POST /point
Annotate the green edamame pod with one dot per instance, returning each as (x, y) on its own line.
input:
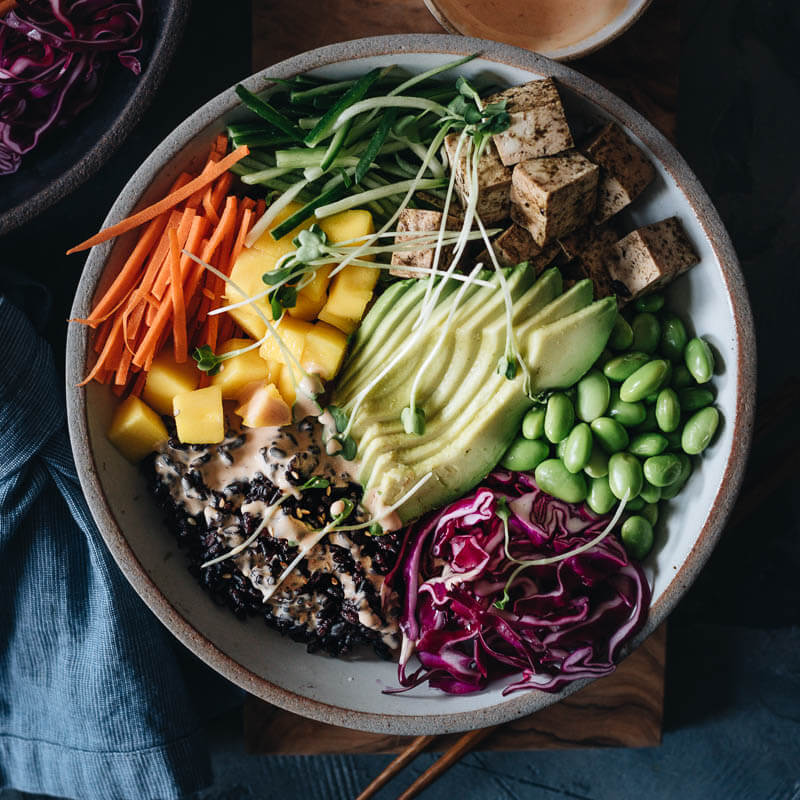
(668, 492)
(662, 470)
(593, 395)
(609, 434)
(673, 337)
(699, 430)
(650, 493)
(600, 498)
(621, 367)
(650, 513)
(559, 417)
(646, 332)
(649, 302)
(625, 475)
(668, 410)
(627, 414)
(525, 454)
(644, 381)
(533, 423)
(699, 360)
(648, 444)
(695, 397)
(681, 377)
(554, 478)
(597, 466)
(637, 537)
(578, 448)
(621, 334)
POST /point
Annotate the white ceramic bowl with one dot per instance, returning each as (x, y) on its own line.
(348, 692)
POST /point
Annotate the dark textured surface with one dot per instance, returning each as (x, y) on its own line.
(733, 668)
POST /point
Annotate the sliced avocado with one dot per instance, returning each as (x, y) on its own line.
(574, 299)
(386, 300)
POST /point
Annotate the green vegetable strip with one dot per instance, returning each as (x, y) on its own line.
(325, 126)
(305, 95)
(262, 140)
(290, 223)
(264, 175)
(334, 147)
(388, 102)
(375, 144)
(273, 211)
(270, 114)
(377, 194)
(423, 76)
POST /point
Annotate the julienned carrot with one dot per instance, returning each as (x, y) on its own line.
(218, 148)
(208, 206)
(178, 307)
(112, 350)
(138, 384)
(210, 174)
(220, 189)
(164, 276)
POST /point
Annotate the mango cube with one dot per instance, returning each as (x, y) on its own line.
(199, 417)
(347, 225)
(166, 379)
(285, 384)
(136, 429)
(311, 298)
(237, 372)
(324, 350)
(292, 332)
(264, 407)
(246, 273)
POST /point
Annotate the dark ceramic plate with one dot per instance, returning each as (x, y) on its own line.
(67, 157)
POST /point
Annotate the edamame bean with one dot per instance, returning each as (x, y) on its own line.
(662, 470)
(668, 410)
(552, 477)
(681, 377)
(668, 492)
(650, 513)
(621, 334)
(600, 498)
(525, 454)
(673, 440)
(699, 430)
(609, 434)
(673, 337)
(646, 332)
(650, 302)
(627, 414)
(649, 423)
(648, 444)
(561, 447)
(637, 537)
(598, 463)
(644, 381)
(559, 417)
(593, 395)
(695, 397)
(578, 448)
(621, 367)
(699, 360)
(637, 504)
(650, 493)
(625, 475)
(606, 355)
(533, 423)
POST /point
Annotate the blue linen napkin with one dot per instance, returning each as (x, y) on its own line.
(96, 698)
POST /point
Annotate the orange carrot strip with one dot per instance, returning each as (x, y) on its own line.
(110, 353)
(163, 279)
(208, 207)
(138, 385)
(101, 334)
(121, 376)
(238, 244)
(178, 307)
(156, 261)
(167, 203)
(220, 189)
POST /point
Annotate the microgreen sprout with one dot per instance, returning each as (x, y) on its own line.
(315, 482)
(413, 419)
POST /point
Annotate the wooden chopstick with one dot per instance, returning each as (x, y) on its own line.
(406, 757)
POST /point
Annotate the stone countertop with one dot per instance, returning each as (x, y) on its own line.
(732, 725)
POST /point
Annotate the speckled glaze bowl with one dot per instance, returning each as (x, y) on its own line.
(348, 692)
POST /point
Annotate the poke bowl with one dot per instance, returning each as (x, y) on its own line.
(359, 689)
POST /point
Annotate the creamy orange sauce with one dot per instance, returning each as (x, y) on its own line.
(542, 25)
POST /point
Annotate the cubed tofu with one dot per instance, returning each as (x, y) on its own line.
(166, 379)
(324, 350)
(264, 407)
(235, 373)
(651, 257)
(589, 254)
(494, 180)
(625, 171)
(515, 245)
(538, 124)
(410, 224)
(136, 429)
(292, 333)
(199, 417)
(554, 195)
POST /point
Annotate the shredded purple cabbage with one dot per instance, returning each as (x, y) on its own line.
(53, 54)
(564, 621)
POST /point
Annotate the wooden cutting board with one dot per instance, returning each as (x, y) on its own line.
(624, 709)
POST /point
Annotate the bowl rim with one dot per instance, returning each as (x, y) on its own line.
(521, 704)
(113, 137)
(624, 20)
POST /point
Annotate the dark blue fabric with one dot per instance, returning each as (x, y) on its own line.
(96, 698)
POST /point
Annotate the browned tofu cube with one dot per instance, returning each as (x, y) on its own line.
(588, 251)
(494, 180)
(538, 124)
(624, 170)
(552, 196)
(412, 222)
(651, 257)
(515, 245)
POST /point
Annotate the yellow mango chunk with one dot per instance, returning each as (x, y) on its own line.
(264, 407)
(347, 225)
(285, 385)
(237, 372)
(136, 429)
(167, 379)
(246, 273)
(324, 350)
(199, 417)
(343, 324)
(292, 332)
(311, 298)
